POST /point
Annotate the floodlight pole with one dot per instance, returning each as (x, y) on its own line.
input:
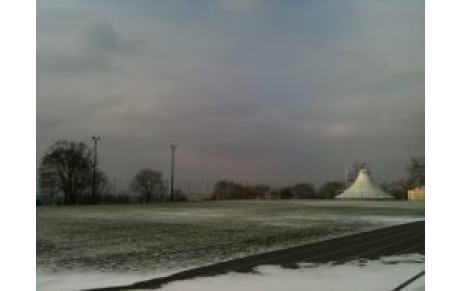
(173, 149)
(114, 187)
(95, 139)
(346, 176)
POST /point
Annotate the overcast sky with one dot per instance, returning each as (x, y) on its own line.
(266, 91)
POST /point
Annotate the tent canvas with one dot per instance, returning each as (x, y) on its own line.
(364, 187)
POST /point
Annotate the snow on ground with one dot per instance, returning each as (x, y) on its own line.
(58, 281)
(301, 221)
(384, 274)
(390, 220)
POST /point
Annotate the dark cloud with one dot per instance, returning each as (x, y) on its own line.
(248, 89)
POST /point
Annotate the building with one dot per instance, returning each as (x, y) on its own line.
(416, 194)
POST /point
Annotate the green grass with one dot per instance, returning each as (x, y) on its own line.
(181, 235)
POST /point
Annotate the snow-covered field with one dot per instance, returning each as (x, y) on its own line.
(97, 243)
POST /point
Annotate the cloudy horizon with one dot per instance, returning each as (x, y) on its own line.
(248, 90)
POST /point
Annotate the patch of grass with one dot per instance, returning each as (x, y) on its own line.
(180, 235)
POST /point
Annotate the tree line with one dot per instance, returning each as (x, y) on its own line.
(68, 169)
(226, 189)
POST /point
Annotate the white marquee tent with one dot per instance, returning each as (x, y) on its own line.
(364, 188)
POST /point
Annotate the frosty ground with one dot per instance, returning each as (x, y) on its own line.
(143, 241)
(383, 274)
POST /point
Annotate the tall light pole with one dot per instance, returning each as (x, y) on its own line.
(95, 139)
(173, 149)
(114, 187)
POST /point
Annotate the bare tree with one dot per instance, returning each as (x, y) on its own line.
(330, 189)
(303, 191)
(103, 185)
(286, 193)
(225, 189)
(67, 168)
(398, 189)
(416, 170)
(102, 190)
(149, 184)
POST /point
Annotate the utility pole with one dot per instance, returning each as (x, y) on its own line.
(95, 139)
(114, 187)
(52, 191)
(173, 149)
(346, 177)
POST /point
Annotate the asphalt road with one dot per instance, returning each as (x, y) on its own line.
(394, 240)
